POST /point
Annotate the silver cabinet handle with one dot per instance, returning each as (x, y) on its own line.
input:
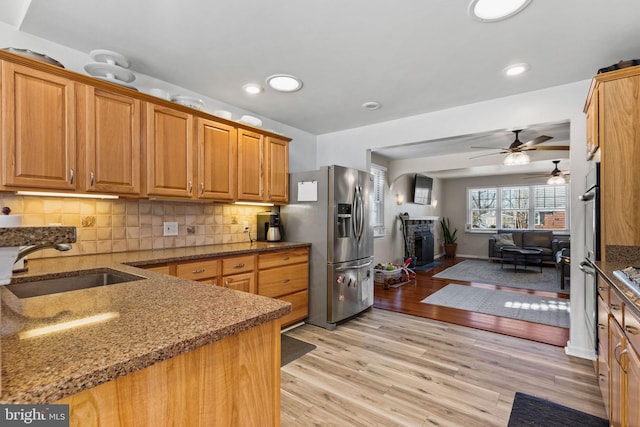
(631, 330)
(72, 175)
(198, 271)
(92, 178)
(190, 187)
(226, 283)
(614, 306)
(285, 258)
(285, 281)
(202, 188)
(240, 265)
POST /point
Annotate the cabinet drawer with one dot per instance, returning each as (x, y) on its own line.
(603, 325)
(603, 290)
(280, 258)
(198, 270)
(283, 280)
(237, 264)
(299, 310)
(632, 328)
(616, 307)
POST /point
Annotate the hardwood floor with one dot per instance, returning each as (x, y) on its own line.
(406, 299)
(386, 368)
(389, 368)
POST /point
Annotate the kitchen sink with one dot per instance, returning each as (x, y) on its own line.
(78, 280)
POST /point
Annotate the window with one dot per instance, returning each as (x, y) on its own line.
(541, 207)
(379, 183)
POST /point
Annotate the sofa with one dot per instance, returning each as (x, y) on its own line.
(549, 242)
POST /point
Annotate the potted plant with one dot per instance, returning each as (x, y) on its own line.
(449, 238)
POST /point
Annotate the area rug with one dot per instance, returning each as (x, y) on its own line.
(532, 411)
(548, 311)
(429, 266)
(292, 348)
(481, 271)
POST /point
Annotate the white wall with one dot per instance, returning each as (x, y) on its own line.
(556, 104)
(302, 148)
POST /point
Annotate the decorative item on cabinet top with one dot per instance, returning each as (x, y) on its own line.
(34, 55)
(110, 66)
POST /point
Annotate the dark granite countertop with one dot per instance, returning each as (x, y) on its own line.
(137, 323)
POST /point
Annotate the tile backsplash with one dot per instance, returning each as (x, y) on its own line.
(105, 226)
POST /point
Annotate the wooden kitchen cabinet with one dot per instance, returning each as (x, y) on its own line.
(613, 113)
(217, 153)
(234, 381)
(603, 351)
(169, 143)
(250, 166)
(591, 110)
(109, 138)
(285, 275)
(38, 129)
(206, 270)
(238, 273)
(277, 173)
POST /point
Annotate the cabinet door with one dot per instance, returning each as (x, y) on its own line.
(619, 154)
(633, 388)
(109, 134)
(38, 129)
(245, 282)
(616, 374)
(277, 162)
(169, 152)
(217, 145)
(250, 166)
(593, 139)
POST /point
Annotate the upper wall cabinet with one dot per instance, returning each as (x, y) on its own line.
(169, 137)
(66, 131)
(38, 129)
(277, 174)
(109, 131)
(217, 153)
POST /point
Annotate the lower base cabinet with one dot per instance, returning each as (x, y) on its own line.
(235, 381)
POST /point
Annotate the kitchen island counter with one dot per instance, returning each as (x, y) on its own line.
(122, 328)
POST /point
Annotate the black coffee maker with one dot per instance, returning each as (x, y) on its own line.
(269, 227)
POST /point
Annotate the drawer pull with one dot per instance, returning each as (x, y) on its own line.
(198, 271)
(614, 306)
(631, 330)
(601, 326)
(602, 288)
(226, 283)
(285, 258)
(285, 281)
(240, 265)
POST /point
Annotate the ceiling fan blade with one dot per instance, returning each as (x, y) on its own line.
(490, 148)
(546, 147)
(538, 140)
(484, 155)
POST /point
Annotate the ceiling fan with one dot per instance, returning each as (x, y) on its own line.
(556, 176)
(516, 151)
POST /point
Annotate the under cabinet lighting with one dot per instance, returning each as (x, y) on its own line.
(253, 203)
(75, 195)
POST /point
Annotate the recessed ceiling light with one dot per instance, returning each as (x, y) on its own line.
(516, 69)
(252, 88)
(284, 83)
(495, 10)
(371, 105)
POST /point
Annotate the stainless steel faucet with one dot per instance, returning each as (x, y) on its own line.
(62, 247)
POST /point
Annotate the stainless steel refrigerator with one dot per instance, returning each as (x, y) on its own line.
(330, 208)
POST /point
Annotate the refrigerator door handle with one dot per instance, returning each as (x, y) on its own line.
(358, 212)
(355, 267)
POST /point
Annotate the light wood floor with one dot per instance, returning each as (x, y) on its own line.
(386, 368)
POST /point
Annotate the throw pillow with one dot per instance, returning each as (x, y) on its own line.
(504, 239)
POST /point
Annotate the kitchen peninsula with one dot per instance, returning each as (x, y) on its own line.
(164, 351)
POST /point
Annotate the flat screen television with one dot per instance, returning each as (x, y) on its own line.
(422, 189)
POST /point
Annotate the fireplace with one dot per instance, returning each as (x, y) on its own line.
(420, 238)
(423, 243)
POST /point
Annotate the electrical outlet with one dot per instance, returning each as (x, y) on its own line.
(170, 229)
(245, 226)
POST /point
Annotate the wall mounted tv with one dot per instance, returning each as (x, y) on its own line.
(422, 188)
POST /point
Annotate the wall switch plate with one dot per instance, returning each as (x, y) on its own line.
(170, 229)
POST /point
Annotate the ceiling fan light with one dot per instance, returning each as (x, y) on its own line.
(516, 159)
(556, 180)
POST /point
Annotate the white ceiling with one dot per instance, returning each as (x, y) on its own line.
(413, 56)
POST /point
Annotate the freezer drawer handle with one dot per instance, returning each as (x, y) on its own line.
(366, 264)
